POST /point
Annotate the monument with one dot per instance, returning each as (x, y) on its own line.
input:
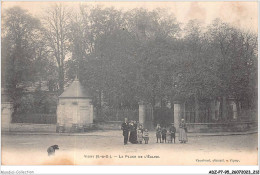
(75, 109)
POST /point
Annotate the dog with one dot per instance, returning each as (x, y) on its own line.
(51, 149)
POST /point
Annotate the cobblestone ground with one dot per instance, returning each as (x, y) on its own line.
(89, 149)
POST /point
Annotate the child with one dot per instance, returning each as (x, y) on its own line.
(164, 131)
(141, 128)
(172, 131)
(139, 136)
(158, 133)
(168, 136)
(146, 136)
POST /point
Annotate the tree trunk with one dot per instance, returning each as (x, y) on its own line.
(61, 80)
(153, 101)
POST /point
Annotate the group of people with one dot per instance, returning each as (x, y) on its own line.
(163, 135)
(138, 134)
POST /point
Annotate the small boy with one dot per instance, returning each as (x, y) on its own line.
(146, 136)
(168, 136)
(158, 133)
(172, 131)
(139, 136)
(164, 131)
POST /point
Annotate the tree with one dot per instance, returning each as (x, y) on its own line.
(235, 54)
(156, 33)
(56, 25)
(24, 60)
(195, 70)
(19, 40)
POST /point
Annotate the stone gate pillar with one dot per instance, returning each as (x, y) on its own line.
(6, 111)
(233, 106)
(146, 115)
(141, 113)
(177, 115)
(91, 112)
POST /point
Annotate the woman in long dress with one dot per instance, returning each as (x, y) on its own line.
(133, 133)
(183, 132)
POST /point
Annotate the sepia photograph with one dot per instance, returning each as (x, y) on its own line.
(129, 83)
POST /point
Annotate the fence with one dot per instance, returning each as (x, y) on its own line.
(112, 114)
(248, 115)
(205, 116)
(32, 127)
(189, 116)
(35, 118)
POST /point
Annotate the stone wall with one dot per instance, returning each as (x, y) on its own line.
(113, 125)
(116, 125)
(29, 127)
(222, 127)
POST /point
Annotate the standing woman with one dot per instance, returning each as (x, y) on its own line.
(133, 132)
(183, 132)
(131, 128)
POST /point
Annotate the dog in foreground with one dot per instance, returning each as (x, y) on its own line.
(51, 149)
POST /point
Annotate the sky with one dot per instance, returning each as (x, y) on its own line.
(240, 14)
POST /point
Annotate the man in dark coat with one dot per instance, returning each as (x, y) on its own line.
(125, 128)
(172, 131)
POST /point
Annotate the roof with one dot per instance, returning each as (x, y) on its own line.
(75, 90)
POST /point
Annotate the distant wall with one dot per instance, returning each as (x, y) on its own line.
(29, 127)
(194, 127)
(112, 125)
(116, 125)
(39, 118)
(223, 127)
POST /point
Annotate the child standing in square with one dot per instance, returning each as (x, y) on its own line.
(139, 136)
(146, 136)
(172, 131)
(164, 131)
(168, 136)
